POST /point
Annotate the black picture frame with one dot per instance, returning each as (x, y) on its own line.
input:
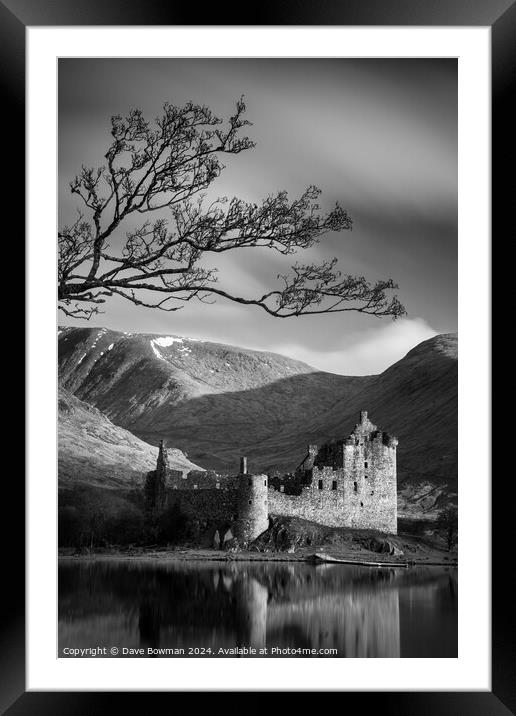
(500, 16)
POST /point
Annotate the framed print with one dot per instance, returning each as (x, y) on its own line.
(250, 431)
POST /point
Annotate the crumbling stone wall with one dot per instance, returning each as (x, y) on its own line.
(198, 480)
(337, 508)
(346, 483)
(195, 480)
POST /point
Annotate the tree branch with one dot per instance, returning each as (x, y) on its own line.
(167, 167)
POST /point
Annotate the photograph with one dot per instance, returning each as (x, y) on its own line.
(257, 357)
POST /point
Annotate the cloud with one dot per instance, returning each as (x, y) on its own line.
(369, 353)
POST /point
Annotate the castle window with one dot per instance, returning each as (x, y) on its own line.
(334, 485)
(365, 464)
(265, 483)
(366, 476)
(361, 504)
(320, 484)
(282, 488)
(355, 487)
(250, 502)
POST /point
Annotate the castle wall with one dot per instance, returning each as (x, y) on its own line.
(325, 507)
(361, 495)
(217, 505)
(198, 480)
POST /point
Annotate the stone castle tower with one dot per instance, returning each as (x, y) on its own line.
(155, 483)
(252, 505)
(371, 480)
(352, 482)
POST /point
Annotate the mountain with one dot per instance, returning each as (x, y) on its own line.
(217, 402)
(94, 452)
(209, 399)
(415, 399)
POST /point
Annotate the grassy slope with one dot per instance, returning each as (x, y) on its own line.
(94, 451)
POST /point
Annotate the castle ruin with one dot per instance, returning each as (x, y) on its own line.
(344, 483)
(348, 482)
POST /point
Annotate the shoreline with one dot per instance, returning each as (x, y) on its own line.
(214, 556)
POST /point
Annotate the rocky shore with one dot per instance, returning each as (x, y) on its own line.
(294, 540)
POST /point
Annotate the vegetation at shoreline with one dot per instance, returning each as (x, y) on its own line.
(102, 522)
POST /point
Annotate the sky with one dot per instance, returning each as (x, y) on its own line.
(377, 135)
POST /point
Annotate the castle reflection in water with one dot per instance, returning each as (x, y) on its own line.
(359, 611)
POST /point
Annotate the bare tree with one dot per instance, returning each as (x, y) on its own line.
(161, 264)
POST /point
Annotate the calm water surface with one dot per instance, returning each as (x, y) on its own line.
(360, 611)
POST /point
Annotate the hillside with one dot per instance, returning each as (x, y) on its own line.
(209, 399)
(94, 452)
(218, 402)
(415, 399)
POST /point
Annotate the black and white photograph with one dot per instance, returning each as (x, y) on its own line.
(257, 357)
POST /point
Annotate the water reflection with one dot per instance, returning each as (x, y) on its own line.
(359, 611)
